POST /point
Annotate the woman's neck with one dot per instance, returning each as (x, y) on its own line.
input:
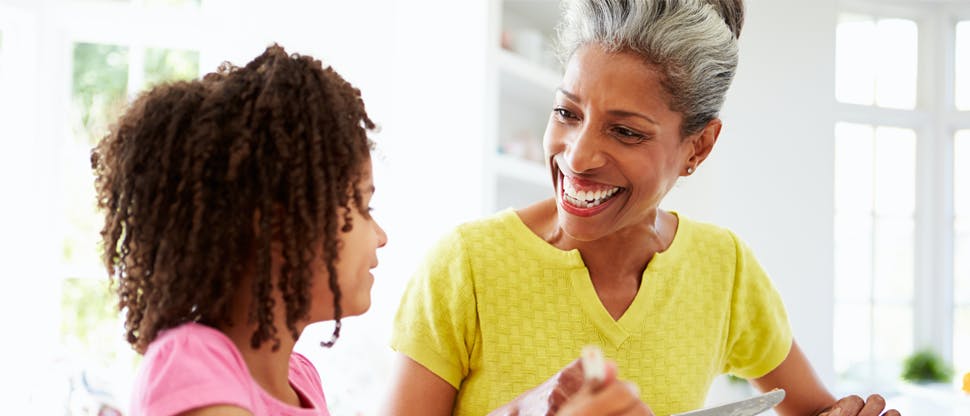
(623, 253)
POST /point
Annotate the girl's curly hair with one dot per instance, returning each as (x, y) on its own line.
(191, 165)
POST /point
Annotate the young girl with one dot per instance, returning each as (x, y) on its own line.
(236, 214)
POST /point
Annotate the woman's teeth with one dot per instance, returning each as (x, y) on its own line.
(587, 199)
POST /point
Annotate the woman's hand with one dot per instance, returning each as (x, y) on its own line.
(616, 398)
(855, 406)
(567, 393)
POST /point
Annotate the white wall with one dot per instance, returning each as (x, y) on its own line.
(770, 176)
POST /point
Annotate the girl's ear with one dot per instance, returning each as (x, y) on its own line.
(701, 144)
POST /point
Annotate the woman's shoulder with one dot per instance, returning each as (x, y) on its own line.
(703, 232)
(513, 221)
(489, 227)
(488, 224)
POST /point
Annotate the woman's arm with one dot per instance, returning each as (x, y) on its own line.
(569, 393)
(415, 390)
(804, 392)
(806, 396)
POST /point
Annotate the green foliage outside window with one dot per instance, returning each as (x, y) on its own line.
(99, 85)
(169, 64)
(98, 88)
(91, 326)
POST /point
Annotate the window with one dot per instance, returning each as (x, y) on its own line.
(961, 250)
(66, 71)
(875, 167)
(962, 60)
(104, 75)
(876, 61)
(899, 241)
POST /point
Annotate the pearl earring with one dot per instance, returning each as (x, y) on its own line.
(690, 170)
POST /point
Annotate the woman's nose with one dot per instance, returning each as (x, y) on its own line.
(584, 152)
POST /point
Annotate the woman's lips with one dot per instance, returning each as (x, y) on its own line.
(584, 198)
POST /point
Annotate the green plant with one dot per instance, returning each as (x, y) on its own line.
(926, 366)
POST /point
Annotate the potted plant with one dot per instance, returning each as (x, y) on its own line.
(926, 366)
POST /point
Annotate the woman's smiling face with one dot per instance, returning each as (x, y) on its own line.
(614, 146)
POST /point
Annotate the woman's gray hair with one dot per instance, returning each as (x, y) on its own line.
(692, 42)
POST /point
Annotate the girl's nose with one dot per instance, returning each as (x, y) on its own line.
(381, 235)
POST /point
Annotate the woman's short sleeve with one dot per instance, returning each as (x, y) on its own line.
(436, 322)
(760, 336)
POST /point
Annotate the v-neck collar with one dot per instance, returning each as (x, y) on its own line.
(570, 262)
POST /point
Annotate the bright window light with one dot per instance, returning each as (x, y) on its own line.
(853, 168)
(895, 171)
(896, 63)
(855, 60)
(875, 61)
(962, 58)
(875, 171)
(961, 251)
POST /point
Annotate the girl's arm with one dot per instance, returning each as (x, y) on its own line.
(806, 396)
(415, 390)
(221, 410)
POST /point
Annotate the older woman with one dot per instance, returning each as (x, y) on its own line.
(505, 302)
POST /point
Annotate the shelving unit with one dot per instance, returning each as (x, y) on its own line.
(524, 75)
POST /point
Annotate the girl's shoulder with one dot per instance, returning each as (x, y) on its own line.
(194, 346)
(191, 338)
(189, 366)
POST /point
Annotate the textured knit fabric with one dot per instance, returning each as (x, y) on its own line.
(495, 311)
(194, 365)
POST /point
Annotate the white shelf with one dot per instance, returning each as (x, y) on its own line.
(517, 66)
(522, 170)
(537, 14)
(525, 90)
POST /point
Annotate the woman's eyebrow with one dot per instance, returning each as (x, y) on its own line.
(621, 113)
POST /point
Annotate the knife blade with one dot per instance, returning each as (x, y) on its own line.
(747, 407)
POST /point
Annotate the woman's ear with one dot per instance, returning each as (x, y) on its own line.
(700, 145)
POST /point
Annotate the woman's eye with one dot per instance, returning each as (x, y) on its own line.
(628, 135)
(564, 113)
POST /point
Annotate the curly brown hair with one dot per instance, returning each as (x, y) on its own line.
(191, 165)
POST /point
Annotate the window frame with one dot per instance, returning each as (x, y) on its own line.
(134, 26)
(935, 119)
